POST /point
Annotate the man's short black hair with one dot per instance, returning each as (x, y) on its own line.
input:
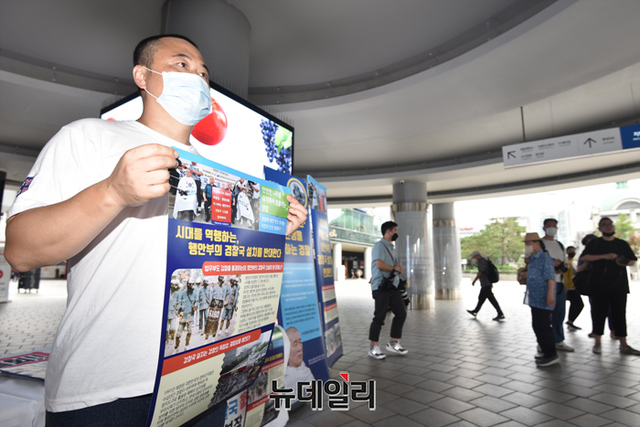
(145, 50)
(570, 247)
(604, 218)
(544, 223)
(387, 226)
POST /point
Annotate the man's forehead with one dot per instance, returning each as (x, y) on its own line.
(176, 47)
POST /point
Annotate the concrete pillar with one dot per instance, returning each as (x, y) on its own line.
(446, 252)
(367, 263)
(222, 34)
(411, 213)
(338, 267)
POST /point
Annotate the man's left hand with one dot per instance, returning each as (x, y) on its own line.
(297, 215)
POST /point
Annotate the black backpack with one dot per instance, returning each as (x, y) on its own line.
(492, 272)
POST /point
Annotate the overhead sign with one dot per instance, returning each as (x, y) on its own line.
(565, 147)
(630, 137)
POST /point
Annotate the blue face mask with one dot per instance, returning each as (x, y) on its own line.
(185, 96)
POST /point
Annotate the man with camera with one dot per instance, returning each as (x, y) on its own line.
(386, 274)
(609, 258)
(556, 250)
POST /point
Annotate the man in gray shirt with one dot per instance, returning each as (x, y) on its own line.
(385, 278)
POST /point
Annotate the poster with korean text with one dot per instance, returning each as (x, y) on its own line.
(317, 195)
(299, 312)
(224, 271)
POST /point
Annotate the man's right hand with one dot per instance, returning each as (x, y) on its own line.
(141, 175)
(50, 234)
(398, 267)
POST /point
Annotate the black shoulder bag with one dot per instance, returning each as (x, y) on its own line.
(582, 280)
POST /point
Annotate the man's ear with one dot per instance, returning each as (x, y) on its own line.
(140, 76)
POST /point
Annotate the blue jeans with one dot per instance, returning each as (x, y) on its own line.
(557, 318)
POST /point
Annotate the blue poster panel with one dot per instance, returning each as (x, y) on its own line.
(317, 195)
(630, 136)
(225, 259)
(299, 311)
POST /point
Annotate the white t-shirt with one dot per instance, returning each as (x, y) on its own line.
(108, 341)
(556, 252)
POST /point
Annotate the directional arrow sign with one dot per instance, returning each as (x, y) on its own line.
(566, 147)
(601, 141)
(545, 150)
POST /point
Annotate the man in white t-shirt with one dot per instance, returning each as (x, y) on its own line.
(112, 227)
(556, 251)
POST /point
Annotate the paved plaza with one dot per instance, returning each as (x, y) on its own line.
(460, 371)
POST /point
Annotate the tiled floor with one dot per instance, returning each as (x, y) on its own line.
(460, 371)
(30, 320)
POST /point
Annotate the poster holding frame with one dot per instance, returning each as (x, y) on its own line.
(299, 311)
(225, 263)
(317, 194)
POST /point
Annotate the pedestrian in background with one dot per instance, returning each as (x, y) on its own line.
(486, 287)
(541, 297)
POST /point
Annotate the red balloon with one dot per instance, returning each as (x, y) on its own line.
(213, 128)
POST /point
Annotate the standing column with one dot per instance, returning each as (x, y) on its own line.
(368, 254)
(338, 267)
(413, 246)
(446, 252)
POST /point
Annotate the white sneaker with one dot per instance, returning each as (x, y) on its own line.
(564, 347)
(376, 353)
(396, 348)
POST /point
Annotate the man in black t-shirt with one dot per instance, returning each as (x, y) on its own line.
(610, 258)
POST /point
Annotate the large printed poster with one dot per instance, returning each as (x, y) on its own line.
(299, 312)
(224, 271)
(317, 194)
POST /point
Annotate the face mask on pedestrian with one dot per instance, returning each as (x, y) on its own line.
(608, 234)
(528, 249)
(394, 237)
(185, 96)
(571, 254)
(551, 231)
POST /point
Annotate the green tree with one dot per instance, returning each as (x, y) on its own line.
(634, 242)
(624, 227)
(500, 240)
